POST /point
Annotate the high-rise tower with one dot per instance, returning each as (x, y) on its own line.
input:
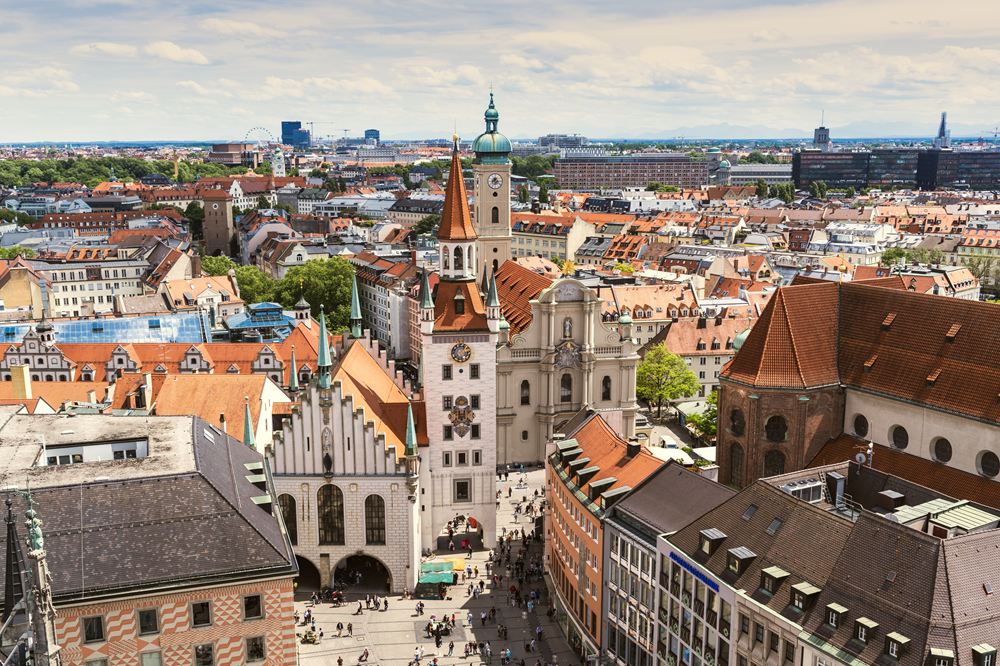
(492, 195)
(459, 327)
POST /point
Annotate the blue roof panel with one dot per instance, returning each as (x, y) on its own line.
(187, 327)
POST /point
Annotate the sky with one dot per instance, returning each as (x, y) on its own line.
(131, 70)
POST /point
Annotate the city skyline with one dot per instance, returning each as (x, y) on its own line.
(117, 71)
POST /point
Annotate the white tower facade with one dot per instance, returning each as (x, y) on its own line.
(278, 163)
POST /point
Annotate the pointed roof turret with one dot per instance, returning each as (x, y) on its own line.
(426, 300)
(492, 300)
(323, 362)
(43, 326)
(15, 570)
(411, 433)
(484, 286)
(293, 379)
(456, 222)
(248, 438)
(355, 309)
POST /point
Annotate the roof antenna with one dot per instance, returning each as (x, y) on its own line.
(822, 117)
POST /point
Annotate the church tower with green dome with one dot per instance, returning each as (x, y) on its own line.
(491, 211)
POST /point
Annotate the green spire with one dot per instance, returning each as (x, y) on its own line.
(425, 293)
(411, 433)
(493, 301)
(355, 309)
(293, 379)
(484, 287)
(248, 437)
(324, 361)
(35, 541)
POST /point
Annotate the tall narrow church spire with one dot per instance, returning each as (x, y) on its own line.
(248, 437)
(293, 376)
(355, 309)
(456, 222)
(324, 362)
(411, 433)
(15, 571)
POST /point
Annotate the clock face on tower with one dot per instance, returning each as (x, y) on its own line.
(495, 181)
(461, 352)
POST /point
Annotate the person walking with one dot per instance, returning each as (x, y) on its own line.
(416, 654)
(451, 647)
(385, 603)
(360, 610)
(340, 629)
(350, 629)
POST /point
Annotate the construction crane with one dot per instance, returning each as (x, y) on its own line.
(312, 131)
(345, 135)
(995, 132)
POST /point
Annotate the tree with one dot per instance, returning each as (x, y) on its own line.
(822, 188)
(983, 267)
(216, 266)
(195, 214)
(663, 377)
(262, 202)
(705, 422)
(317, 173)
(543, 193)
(557, 261)
(341, 184)
(325, 282)
(426, 225)
(522, 194)
(624, 268)
(254, 286)
(849, 192)
(892, 255)
(15, 250)
(761, 188)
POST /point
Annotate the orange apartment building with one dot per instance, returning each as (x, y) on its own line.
(588, 470)
(161, 538)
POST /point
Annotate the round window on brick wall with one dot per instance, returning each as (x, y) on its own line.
(900, 438)
(989, 464)
(942, 450)
(860, 426)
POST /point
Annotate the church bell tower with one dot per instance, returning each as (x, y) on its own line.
(492, 195)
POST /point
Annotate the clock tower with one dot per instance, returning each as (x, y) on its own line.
(492, 195)
(459, 328)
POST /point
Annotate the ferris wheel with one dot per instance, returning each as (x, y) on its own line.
(260, 136)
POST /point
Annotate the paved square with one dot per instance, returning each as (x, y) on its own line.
(392, 635)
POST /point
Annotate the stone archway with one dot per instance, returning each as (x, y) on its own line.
(308, 580)
(375, 576)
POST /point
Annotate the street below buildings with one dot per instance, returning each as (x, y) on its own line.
(393, 636)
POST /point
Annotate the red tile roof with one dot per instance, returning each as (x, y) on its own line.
(445, 318)
(608, 451)
(456, 222)
(516, 286)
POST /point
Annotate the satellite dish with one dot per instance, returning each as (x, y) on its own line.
(860, 458)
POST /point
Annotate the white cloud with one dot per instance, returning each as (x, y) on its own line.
(124, 109)
(229, 83)
(229, 27)
(239, 112)
(42, 78)
(766, 36)
(170, 51)
(98, 115)
(135, 96)
(201, 90)
(108, 48)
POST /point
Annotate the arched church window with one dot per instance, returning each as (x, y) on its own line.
(287, 505)
(736, 465)
(776, 428)
(445, 255)
(525, 393)
(737, 422)
(496, 215)
(774, 463)
(566, 388)
(471, 261)
(606, 388)
(374, 520)
(330, 501)
(459, 259)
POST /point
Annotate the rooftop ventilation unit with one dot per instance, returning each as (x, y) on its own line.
(809, 490)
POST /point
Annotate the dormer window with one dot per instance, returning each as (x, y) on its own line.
(739, 559)
(984, 655)
(942, 657)
(895, 644)
(803, 596)
(709, 540)
(864, 630)
(772, 578)
(701, 345)
(459, 303)
(834, 615)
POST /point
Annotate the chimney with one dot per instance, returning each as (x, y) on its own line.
(222, 422)
(633, 448)
(22, 382)
(91, 396)
(147, 390)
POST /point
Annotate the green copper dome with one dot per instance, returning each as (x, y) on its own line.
(625, 318)
(491, 147)
(741, 337)
(724, 164)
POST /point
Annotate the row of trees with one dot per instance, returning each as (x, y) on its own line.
(325, 282)
(92, 172)
(917, 255)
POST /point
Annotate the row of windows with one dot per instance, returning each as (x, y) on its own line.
(330, 502)
(100, 286)
(544, 243)
(204, 654)
(447, 371)
(148, 619)
(987, 462)
(462, 458)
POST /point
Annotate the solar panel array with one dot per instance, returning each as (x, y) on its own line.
(187, 327)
